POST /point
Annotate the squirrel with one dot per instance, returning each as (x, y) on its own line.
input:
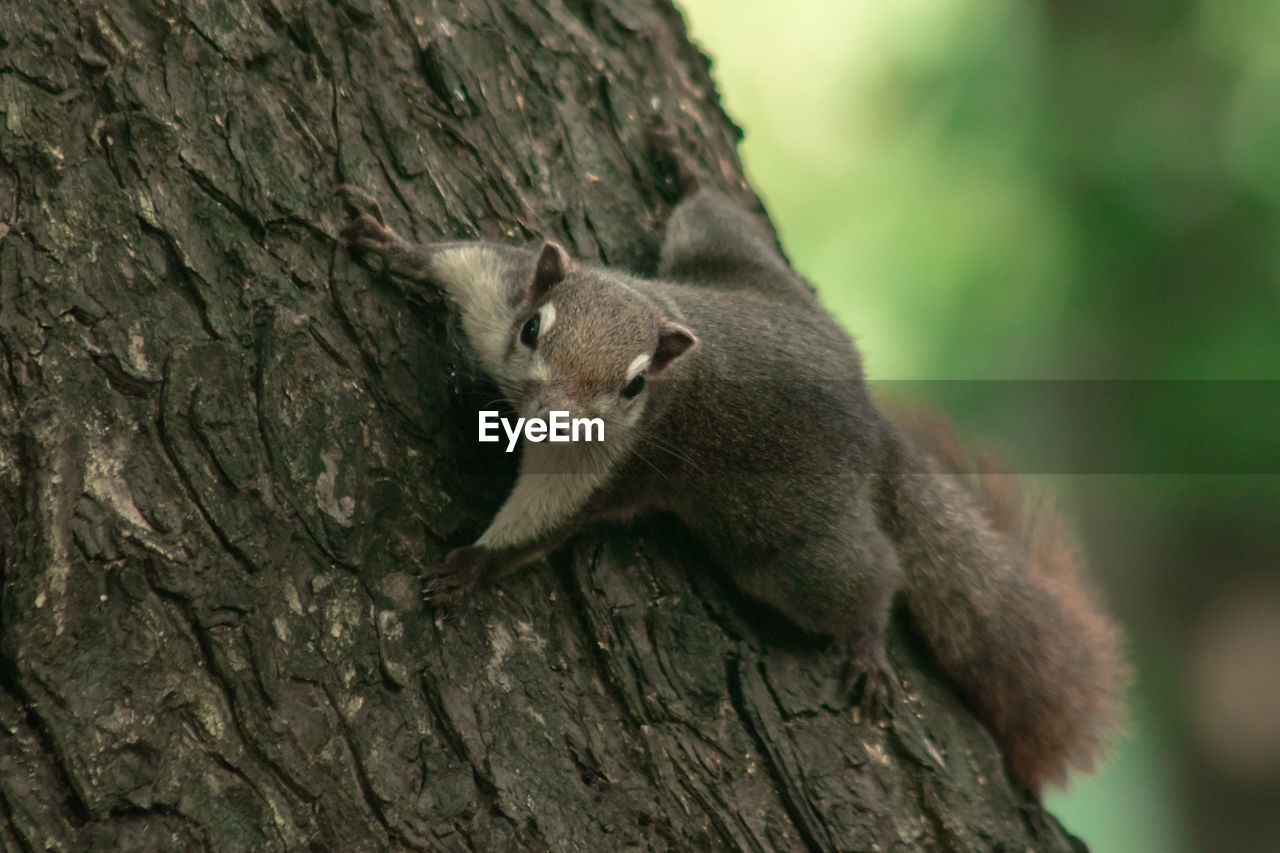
(734, 400)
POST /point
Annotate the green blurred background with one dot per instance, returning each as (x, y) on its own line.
(1048, 191)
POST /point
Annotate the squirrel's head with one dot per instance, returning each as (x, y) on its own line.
(585, 342)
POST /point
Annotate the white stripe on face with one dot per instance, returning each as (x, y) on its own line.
(637, 366)
(548, 318)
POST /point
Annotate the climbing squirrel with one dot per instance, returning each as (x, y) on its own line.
(733, 399)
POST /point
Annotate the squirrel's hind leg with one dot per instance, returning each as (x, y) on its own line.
(832, 588)
(711, 239)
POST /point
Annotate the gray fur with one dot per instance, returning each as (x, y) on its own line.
(756, 429)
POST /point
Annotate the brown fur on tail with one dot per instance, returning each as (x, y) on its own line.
(1037, 658)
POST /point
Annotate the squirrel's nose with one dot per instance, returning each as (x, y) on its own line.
(565, 400)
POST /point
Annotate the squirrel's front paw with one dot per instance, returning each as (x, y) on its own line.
(359, 202)
(869, 669)
(365, 232)
(455, 578)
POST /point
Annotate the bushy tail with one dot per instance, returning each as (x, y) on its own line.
(996, 591)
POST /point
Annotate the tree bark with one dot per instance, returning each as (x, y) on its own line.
(226, 450)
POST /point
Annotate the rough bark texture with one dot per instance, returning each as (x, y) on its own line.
(225, 450)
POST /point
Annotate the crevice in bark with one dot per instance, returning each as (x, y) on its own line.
(794, 803)
(192, 494)
(11, 681)
(184, 275)
(361, 774)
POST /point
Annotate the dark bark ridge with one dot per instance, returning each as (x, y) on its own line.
(225, 448)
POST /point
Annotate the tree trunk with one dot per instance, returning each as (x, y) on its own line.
(226, 450)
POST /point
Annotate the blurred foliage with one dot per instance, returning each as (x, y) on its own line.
(1043, 191)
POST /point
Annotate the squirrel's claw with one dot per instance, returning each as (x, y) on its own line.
(359, 202)
(454, 579)
(870, 669)
(369, 237)
(366, 232)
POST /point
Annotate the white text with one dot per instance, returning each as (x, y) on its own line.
(558, 427)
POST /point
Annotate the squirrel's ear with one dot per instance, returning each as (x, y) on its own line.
(674, 341)
(553, 265)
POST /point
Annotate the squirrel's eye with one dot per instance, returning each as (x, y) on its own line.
(529, 334)
(634, 387)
